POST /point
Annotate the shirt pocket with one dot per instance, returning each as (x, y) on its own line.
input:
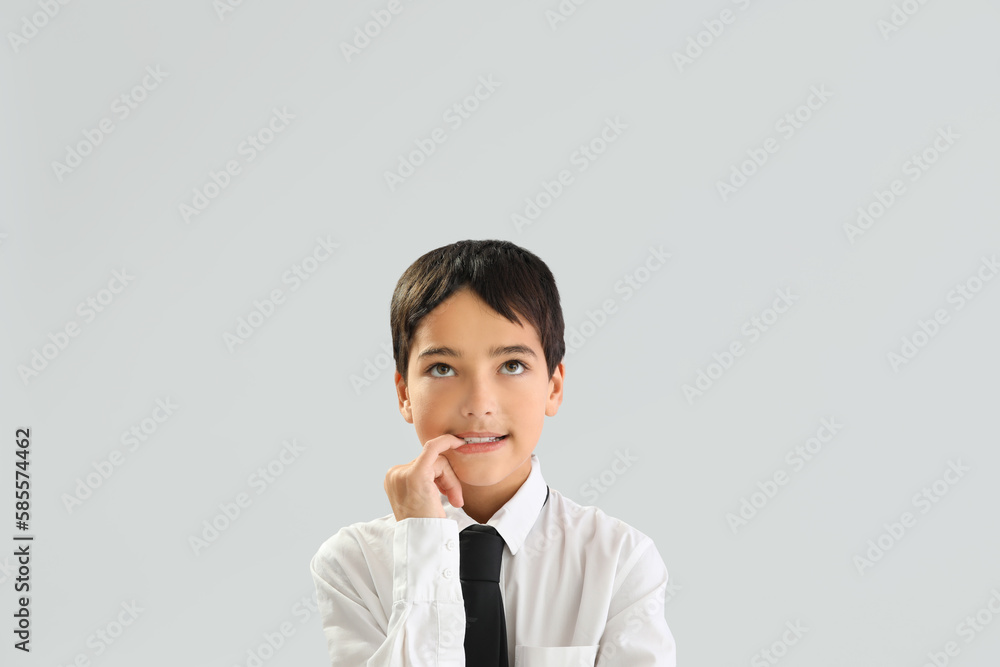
(555, 656)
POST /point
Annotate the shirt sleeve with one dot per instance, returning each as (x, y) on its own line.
(426, 627)
(636, 634)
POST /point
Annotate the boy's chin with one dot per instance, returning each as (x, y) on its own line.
(470, 476)
(481, 474)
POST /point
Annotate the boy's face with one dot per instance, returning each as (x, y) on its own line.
(478, 391)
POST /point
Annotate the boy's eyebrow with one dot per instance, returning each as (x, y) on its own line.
(498, 351)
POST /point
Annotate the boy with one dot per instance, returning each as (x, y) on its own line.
(481, 563)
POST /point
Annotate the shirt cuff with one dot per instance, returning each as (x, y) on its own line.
(425, 561)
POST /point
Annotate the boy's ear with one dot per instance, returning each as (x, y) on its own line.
(555, 391)
(404, 397)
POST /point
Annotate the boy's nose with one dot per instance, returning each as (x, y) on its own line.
(480, 399)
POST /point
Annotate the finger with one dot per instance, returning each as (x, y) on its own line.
(427, 459)
(448, 482)
(444, 442)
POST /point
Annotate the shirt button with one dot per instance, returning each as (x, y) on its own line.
(450, 545)
(447, 573)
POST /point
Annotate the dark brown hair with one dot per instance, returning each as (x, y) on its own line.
(507, 277)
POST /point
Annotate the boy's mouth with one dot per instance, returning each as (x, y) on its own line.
(470, 441)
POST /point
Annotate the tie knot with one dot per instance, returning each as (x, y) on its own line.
(480, 552)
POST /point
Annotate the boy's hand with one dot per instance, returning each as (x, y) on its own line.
(414, 488)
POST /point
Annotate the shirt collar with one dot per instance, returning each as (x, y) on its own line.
(514, 520)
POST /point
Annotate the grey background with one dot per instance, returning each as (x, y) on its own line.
(656, 185)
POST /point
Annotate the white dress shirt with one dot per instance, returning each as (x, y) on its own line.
(579, 588)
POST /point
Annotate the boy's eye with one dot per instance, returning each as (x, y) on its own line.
(517, 363)
(435, 366)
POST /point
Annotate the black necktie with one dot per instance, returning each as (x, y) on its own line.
(480, 551)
